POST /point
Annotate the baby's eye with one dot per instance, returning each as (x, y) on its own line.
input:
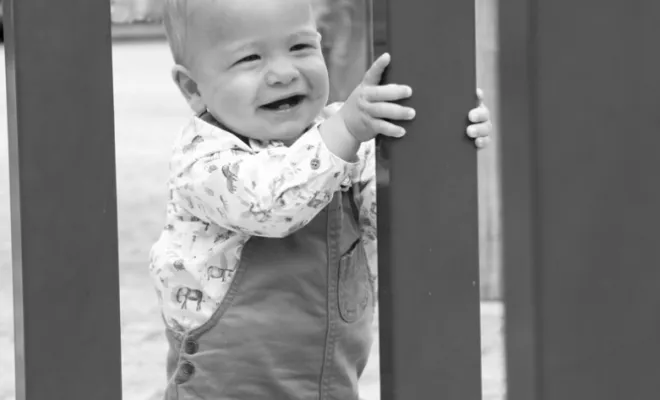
(302, 46)
(250, 58)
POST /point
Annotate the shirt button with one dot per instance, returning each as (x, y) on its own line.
(315, 164)
(191, 346)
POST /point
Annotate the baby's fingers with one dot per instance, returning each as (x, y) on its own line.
(482, 129)
(375, 73)
(391, 92)
(479, 114)
(482, 142)
(384, 110)
(387, 128)
(480, 96)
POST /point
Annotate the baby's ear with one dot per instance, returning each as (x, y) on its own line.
(188, 87)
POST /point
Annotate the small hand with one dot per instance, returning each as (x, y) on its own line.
(481, 126)
(368, 108)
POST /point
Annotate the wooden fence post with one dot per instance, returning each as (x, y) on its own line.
(427, 206)
(580, 135)
(63, 201)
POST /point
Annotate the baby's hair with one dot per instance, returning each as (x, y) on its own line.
(175, 19)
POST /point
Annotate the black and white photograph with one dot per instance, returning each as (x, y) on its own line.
(329, 200)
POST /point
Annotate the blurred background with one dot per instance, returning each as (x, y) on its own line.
(149, 113)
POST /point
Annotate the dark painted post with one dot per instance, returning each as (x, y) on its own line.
(427, 207)
(580, 137)
(63, 204)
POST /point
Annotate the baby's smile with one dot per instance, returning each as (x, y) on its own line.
(285, 104)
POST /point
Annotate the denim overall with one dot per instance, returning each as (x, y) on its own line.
(295, 324)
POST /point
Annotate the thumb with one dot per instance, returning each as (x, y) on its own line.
(480, 96)
(375, 73)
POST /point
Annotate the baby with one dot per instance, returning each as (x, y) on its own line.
(266, 268)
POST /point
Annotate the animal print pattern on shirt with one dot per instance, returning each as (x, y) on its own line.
(222, 191)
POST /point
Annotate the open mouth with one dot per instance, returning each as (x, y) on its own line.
(285, 103)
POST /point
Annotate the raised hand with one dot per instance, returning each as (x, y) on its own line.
(369, 107)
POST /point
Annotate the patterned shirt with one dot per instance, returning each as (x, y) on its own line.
(223, 191)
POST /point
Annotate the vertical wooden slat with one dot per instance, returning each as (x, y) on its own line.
(579, 123)
(519, 211)
(490, 230)
(63, 202)
(427, 207)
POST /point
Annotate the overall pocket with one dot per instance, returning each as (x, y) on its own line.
(353, 284)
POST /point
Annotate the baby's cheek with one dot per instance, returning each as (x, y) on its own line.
(316, 73)
(238, 96)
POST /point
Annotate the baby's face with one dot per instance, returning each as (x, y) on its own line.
(258, 66)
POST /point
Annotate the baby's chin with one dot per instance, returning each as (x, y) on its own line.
(290, 137)
(280, 128)
(291, 131)
(286, 136)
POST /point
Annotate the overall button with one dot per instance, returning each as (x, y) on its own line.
(191, 346)
(185, 372)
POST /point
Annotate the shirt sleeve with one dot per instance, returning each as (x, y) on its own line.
(272, 192)
(364, 180)
(365, 199)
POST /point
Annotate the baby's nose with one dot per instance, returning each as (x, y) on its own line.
(281, 73)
